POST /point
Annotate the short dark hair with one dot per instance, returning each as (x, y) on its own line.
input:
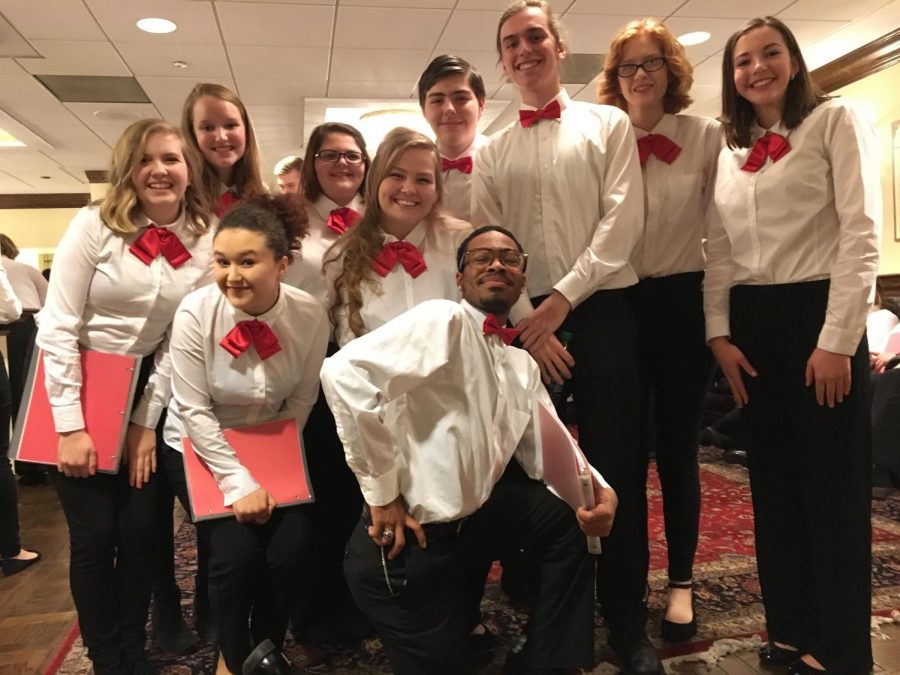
(8, 247)
(280, 219)
(311, 188)
(448, 65)
(800, 99)
(464, 246)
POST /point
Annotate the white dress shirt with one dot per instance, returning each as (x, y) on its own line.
(103, 297)
(879, 326)
(814, 214)
(10, 306)
(305, 272)
(437, 241)
(676, 197)
(570, 190)
(213, 390)
(457, 198)
(28, 283)
(430, 408)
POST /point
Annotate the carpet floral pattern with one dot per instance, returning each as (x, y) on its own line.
(726, 586)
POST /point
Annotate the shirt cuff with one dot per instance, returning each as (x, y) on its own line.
(717, 326)
(573, 289)
(146, 414)
(381, 490)
(839, 340)
(237, 486)
(68, 417)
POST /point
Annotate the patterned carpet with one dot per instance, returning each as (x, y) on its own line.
(727, 589)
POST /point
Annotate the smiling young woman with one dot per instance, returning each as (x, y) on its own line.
(113, 290)
(790, 271)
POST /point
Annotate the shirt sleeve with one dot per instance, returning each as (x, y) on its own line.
(158, 390)
(854, 157)
(622, 222)
(190, 388)
(717, 276)
(304, 396)
(370, 372)
(486, 209)
(59, 322)
(10, 305)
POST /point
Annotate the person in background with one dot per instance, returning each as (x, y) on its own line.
(30, 287)
(287, 173)
(121, 269)
(13, 558)
(452, 95)
(647, 74)
(216, 124)
(432, 408)
(791, 265)
(565, 178)
(247, 351)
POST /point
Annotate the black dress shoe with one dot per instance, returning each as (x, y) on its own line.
(771, 654)
(800, 667)
(15, 565)
(638, 658)
(170, 631)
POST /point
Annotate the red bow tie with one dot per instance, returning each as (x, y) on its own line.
(256, 333)
(492, 326)
(551, 111)
(656, 144)
(155, 240)
(771, 145)
(463, 164)
(404, 253)
(224, 203)
(342, 219)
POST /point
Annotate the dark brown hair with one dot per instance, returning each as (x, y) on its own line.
(312, 190)
(281, 219)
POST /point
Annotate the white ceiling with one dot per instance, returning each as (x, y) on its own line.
(289, 60)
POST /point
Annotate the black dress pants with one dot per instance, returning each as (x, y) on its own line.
(606, 387)
(253, 572)
(675, 366)
(810, 475)
(422, 624)
(9, 503)
(885, 394)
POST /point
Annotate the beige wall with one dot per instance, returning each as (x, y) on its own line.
(35, 231)
(878, 95)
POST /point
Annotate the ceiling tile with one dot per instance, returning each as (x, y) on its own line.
(195, 20)
(505, 92)
(52, 19)
(401, 4)
(62, 57)
(369, 27)
(278, 92)
(810, 32)
(203, 61)
(371, 90)
(390, 65)
(484, 62)
(284, 25)
(163, 90)
(709, 71)
(592, 33)
(731, 9)
(219, 3)
(278, 63)
(638, 8)
(719, 29)
(496, 5)
(835, 10)
(109, 120)
(470, 30)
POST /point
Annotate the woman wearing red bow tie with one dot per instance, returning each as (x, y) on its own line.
(120, 271)
(333, 183)
(245, 351)
(647, 75)
(790, 275)
(217, 125)
(402, 251)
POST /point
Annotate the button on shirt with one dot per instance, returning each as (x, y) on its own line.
(814, 214)
(213, 390)
(29, 284)
(676, 197)
(305, 272)
(457, 198)
(570, 189)
(437, 241)
(102, 297)
(465, 408)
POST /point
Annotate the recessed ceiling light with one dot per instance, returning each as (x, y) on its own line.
(179, 64)
(7, 140)
(156, 25)
(695, 38)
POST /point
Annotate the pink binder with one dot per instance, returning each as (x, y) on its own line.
(271, 451)
(107, 392)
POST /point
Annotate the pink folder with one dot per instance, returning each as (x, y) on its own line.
(271, 451)
(107, 392)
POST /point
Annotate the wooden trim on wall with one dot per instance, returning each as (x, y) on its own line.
(63, 200)
(879, 54)
(96, 176)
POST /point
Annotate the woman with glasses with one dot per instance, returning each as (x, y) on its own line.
(647, 75)
(402, 251)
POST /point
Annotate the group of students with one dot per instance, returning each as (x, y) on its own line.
(655, 240)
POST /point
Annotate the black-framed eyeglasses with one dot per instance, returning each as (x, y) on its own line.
(479, 258)
(651, 65)
(333, 156)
